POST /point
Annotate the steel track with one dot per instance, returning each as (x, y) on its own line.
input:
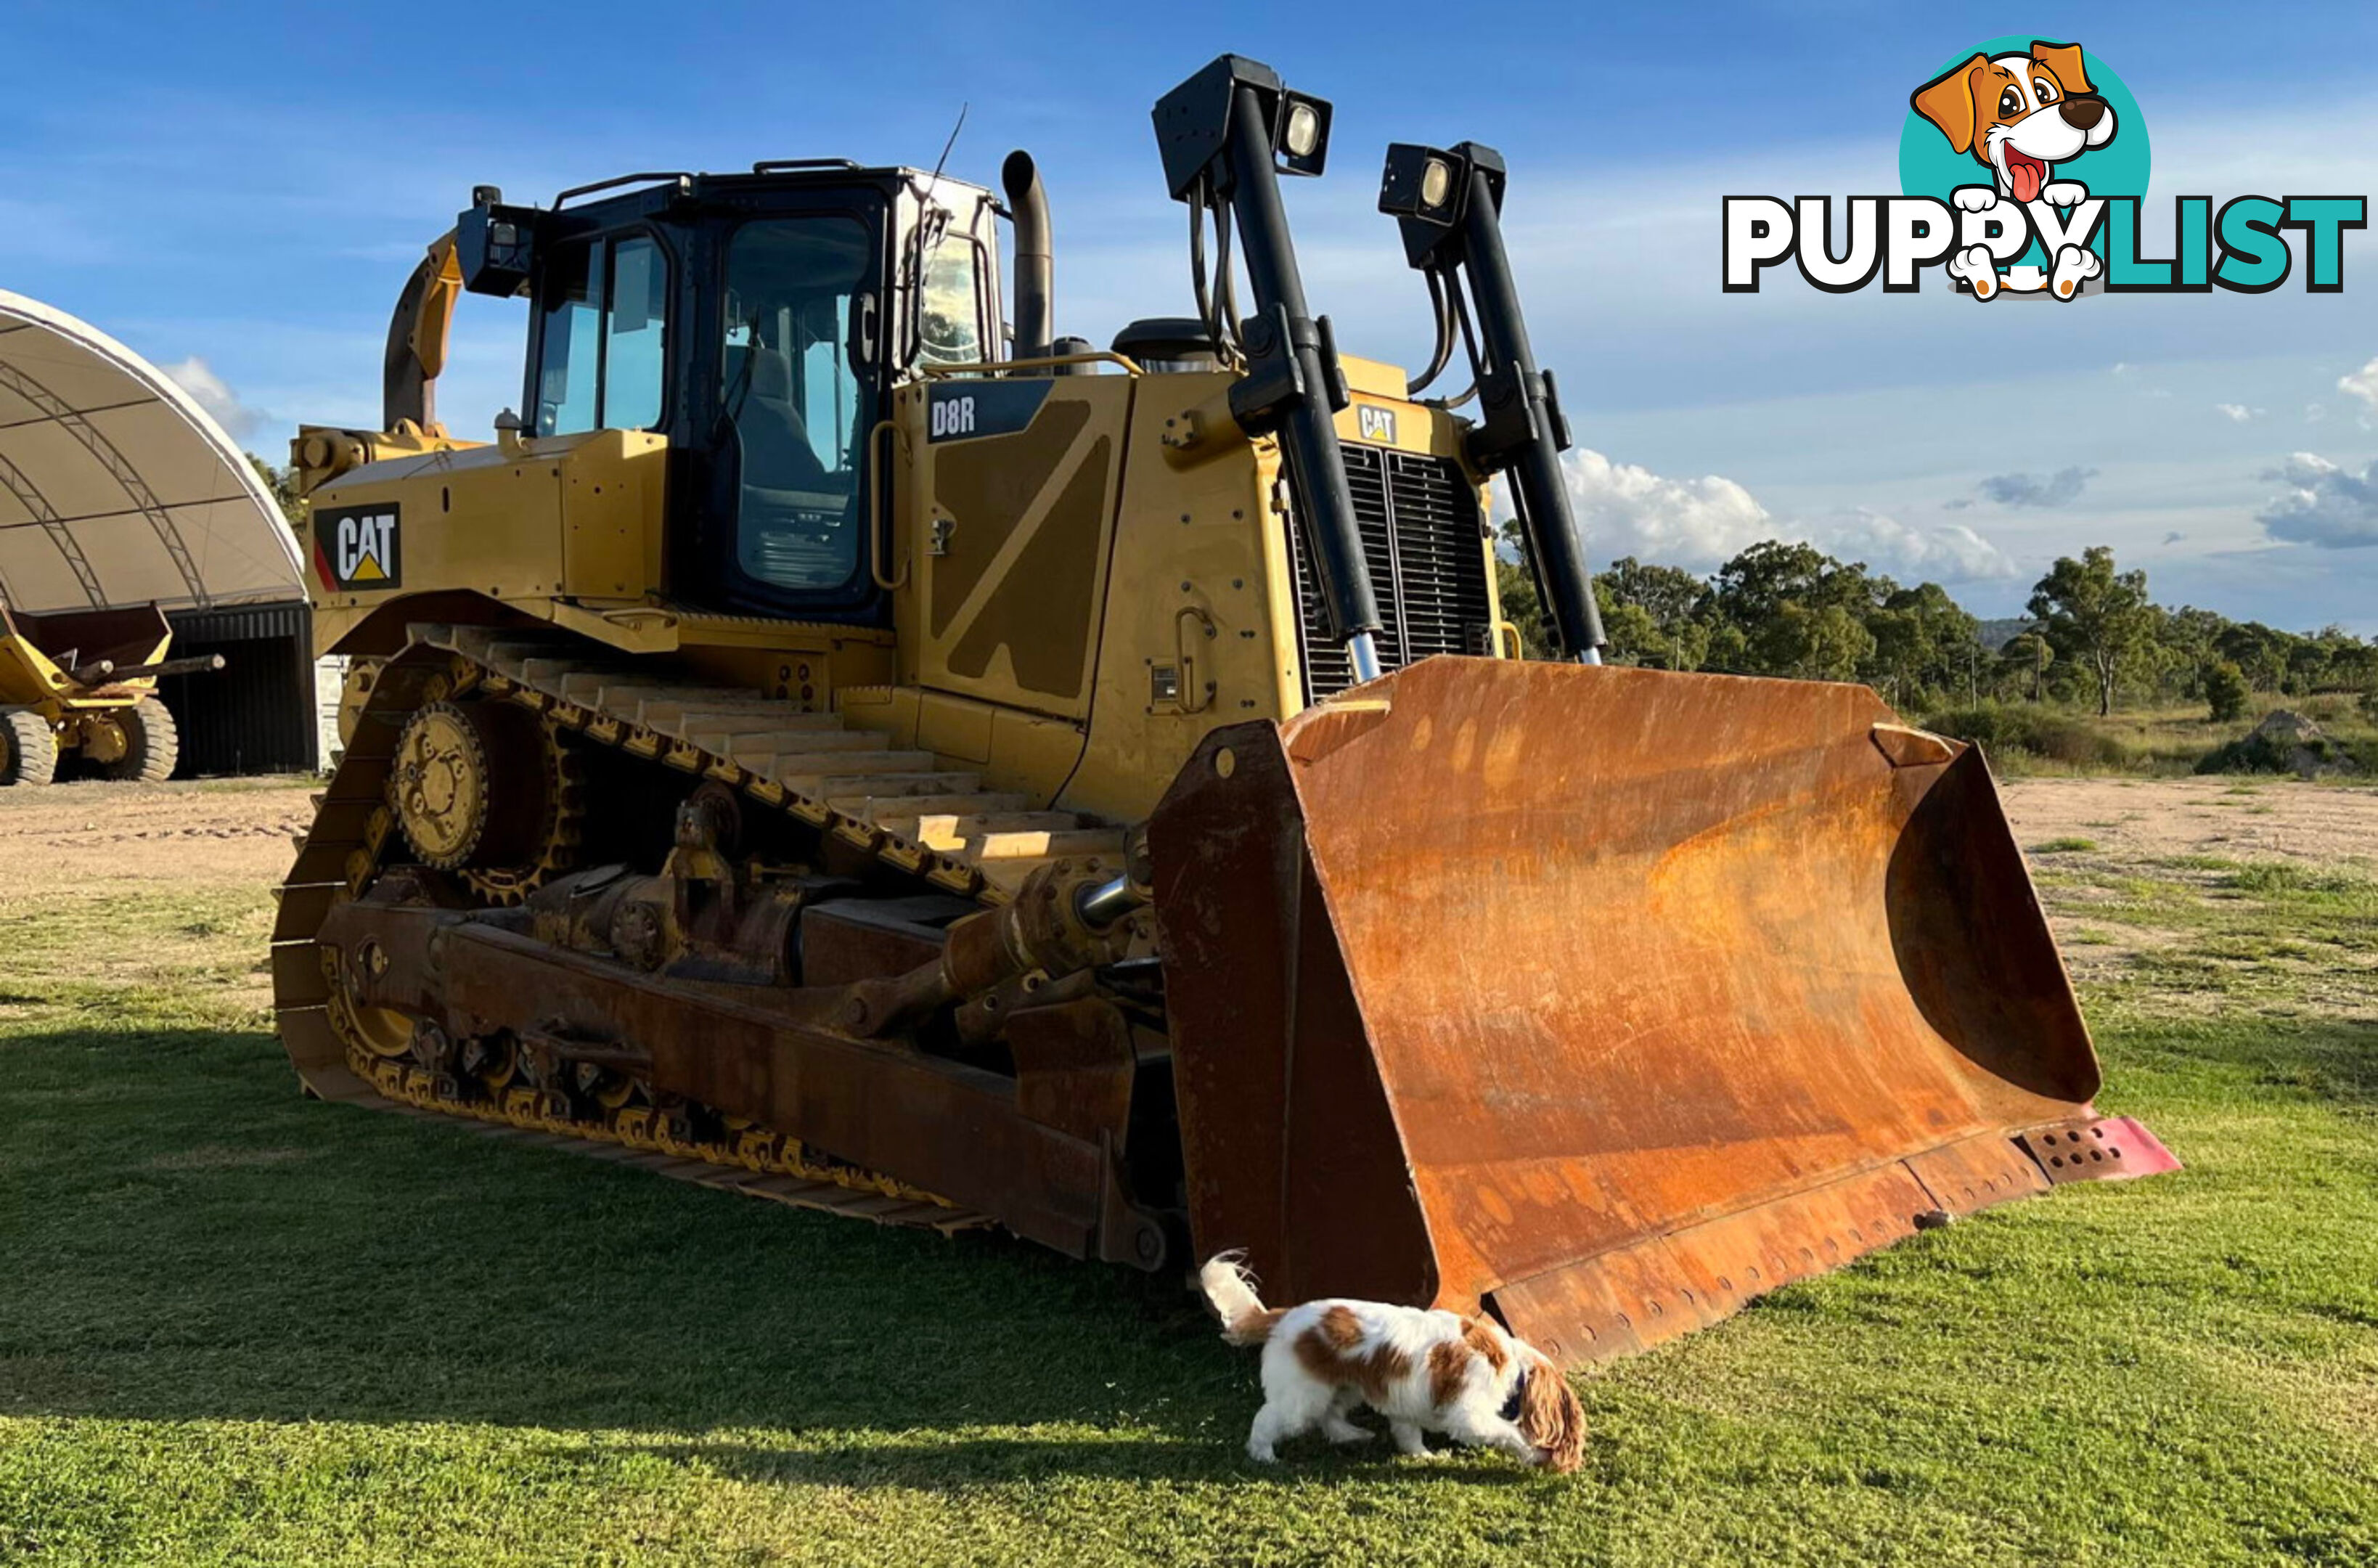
(938, 825)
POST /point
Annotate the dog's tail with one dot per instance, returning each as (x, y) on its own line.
(1231, 1291)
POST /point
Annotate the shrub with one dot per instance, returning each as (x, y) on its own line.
(2370, 705)
(2328, 707)
(2259, 752)
(2049, 736)
(2250, 753)
(1992, 728)
(2225, 691)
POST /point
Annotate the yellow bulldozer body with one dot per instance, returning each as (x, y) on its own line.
(1154, 845)
(1124, 489)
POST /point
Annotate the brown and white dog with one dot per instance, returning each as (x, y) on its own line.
(2019, 115)
(1423, 1370)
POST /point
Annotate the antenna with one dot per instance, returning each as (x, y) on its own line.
(916, 268)
(944, 158)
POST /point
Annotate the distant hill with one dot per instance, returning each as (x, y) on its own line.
(1995, 634)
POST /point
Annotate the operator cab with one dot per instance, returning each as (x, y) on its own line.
(759, 321)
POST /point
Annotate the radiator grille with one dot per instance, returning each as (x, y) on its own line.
(1420, 534)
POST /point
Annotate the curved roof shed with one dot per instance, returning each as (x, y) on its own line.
(115, 489)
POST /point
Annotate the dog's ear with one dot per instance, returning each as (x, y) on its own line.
(1948, 101)
(2064, 59)
(1551, 1415)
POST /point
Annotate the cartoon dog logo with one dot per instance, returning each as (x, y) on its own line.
(2019, 115)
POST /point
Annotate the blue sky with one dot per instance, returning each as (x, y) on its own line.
(245, 186)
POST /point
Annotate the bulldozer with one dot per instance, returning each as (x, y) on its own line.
(844, 748)
(79, 693)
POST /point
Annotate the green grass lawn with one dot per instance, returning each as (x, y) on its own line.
(237, 1327)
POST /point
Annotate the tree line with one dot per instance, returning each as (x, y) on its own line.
(2093, 635)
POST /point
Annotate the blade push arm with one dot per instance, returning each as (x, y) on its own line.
(1449, 205)
(1227, 133)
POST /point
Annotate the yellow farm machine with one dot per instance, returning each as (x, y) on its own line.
(79, 690)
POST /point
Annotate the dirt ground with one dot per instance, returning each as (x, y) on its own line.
(225, 831)
(2230, 818)
(211, 832)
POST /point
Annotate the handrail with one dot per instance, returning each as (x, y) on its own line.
(1039, 362)
(1188, 661)
(618, 180)
(878, 528)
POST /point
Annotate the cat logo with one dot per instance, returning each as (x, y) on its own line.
(953, 416)
(1377, 424)
(356, 548)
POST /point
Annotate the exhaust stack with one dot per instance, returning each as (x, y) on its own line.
(1036, 265)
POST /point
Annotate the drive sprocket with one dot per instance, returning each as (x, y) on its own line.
(485, 789)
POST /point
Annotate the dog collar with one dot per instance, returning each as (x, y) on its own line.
(1510, 1411)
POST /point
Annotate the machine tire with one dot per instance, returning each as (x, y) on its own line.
(151, 743)
(28, 749)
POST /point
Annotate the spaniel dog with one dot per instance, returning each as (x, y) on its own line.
(1423, 1370)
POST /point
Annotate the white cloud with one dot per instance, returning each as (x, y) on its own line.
(2060, 488)
(2314, 413)
(2325, 505)
(1626, 509)
(2362, 384)
(2237, 413)
(1949, 553)
(210, 392)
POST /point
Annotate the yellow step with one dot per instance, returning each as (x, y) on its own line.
(912, 807)
(828, 786)
(1072, 844)
(953, 831)
(628, 687)
(789, 739)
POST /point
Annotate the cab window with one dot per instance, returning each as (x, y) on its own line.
(572, 348)
(633, 353)
(603, 352)
(799, 406)
(949, 324)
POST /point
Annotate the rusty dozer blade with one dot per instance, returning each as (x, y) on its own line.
(1607, 998)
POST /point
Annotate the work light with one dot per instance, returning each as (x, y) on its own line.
(1426, 183)
(494, 244)
(1435, 182)
(1303, 143)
